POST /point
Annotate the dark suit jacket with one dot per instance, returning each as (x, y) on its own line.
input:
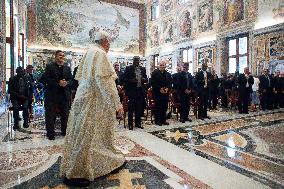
(160, 80)
(119, 80)
(52, 78)
(242, 81)
(13, 87)
(129, 76)
(264, 83)
(200, 80)
(175, 80)
(182, 82)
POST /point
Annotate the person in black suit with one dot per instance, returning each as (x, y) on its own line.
(265, 90)
(19, 90)
(119, 80)
(134, 79)
(175, 77)
(184, 89)
(29, 71)
(58, 79)
(161, 85)
(213, 91)
(202, 81)
(244, 83)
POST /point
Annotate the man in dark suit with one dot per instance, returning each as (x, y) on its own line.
(58, 79)
(202, 81)
(213, 91)
(119, 80)
(134, 79)
(161, 85)
(175, 77)
(184, 89)
(244, 83)
(19, 90)
(266, 90)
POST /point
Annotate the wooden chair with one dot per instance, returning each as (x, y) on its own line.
(174, 103)
(150, 104)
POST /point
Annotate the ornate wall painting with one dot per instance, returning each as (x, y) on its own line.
(68, 23)
(154, 36)
(205, 16)
(185, 24)
(169, 30)
(205, 55)
(2, 54)
(167, 6)
(276, 46)
(271, 10)
(234, 11)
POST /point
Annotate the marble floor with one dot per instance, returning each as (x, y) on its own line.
(228, 151)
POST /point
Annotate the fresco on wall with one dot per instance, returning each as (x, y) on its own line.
(185, 25)
(168, 30)
(167, 6)
(276, 46)
(234, 11)
(205, 16)
(42, 57)
(68, 23)
(205, 55)
(154, 36)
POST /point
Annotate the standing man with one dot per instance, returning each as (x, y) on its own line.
(175, 77)
(58, 80)
(213, 91)
(244, 83)
(266, 90)
(161, 84)
(202, 81)
(134, 79)
(184, 88)
(119, 80)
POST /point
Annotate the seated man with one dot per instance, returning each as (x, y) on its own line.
(18, 88)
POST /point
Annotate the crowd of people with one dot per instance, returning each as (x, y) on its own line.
(200, 92)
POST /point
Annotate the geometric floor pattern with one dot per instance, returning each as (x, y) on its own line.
(246, 151)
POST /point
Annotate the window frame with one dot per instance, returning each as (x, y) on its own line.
(237, 56)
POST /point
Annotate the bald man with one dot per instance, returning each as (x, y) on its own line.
(161, 82)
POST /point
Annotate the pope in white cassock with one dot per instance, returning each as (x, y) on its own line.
(88, 150)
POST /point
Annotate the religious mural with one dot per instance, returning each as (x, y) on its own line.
(154, 36)
(39, 58)
(205, 16)
(69, 23)
(169, 30)
(205, 55)
(167, 6)
(185, 25)
(268, 51)
(234, 11)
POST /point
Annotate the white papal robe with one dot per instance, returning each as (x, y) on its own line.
(88, 150)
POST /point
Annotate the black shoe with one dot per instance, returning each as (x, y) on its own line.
(63, 133)
(139, 126)
(207, 117)
(79, 182)
(51, 137)
(158, 123)
(165, 123)
(187, 119)
(26, 125)
(130, 127)
(182, 120)
(15, 128)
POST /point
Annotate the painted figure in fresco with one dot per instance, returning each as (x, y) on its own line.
(155, 36)
(167, 5)
(234, 10)
(206, 17)
(185, 25)
(88, 149)
(168, 31)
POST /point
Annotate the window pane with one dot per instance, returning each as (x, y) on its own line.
(8, 55)
(190, 68)
(157, 11)
(190, 55)
(242, 63)
(243, 45)
(184, 55)
(232, 47)
(232, 65)
(8, 74)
